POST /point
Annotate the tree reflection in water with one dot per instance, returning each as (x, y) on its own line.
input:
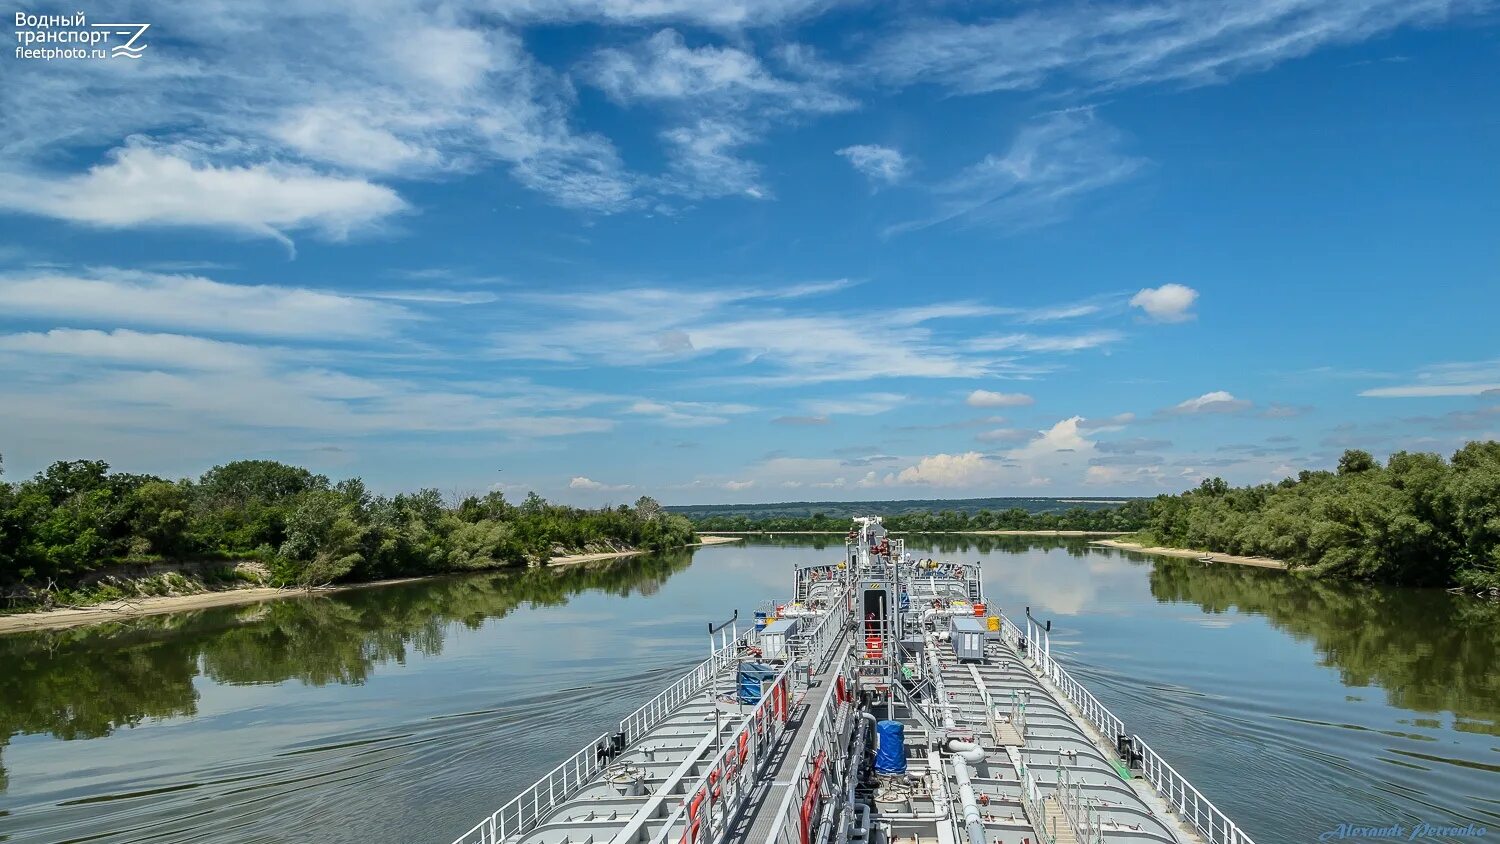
(87, 682)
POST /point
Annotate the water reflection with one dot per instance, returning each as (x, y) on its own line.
(84, 683)
(1429, 650)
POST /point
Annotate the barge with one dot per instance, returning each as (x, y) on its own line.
(883, 702)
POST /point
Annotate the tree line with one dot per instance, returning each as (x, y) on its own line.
(1125, 517)
(78, 517)
(1417, 520)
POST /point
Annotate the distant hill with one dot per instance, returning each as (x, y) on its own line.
(849, 509)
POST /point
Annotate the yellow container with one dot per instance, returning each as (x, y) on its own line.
(994, 624)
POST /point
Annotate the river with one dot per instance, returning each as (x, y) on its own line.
(404, 713)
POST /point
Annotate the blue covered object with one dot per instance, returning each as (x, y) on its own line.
(751, 675)
(890, 748)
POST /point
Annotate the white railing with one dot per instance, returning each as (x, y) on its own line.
(824, 753)
(1097, 713)
(1187, 801)
(1081, 817)
(1036, 811)
(529, 806)
(1190, 803)
(651, 713)
(714, 800)
(814, 647)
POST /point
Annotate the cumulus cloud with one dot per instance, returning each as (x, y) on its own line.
(1168, 303)
(879, 164)
(986, 398)
(1218, 401)
(947, 470)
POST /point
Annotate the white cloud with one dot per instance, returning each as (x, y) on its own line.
(704, 162)
(1467, 378)
(1429, 390)
(145, 186)
(743, 331)
(123, 346)
(1168, 303)
(1035, 343)
(688, 414)
(737, 486)
(1218, 401)
(1050, 164)
(709, 13)
(591, 485)
(280, 91)
(877, 163)
(986, 398)
(1062, 437)
(948, 470)
(114, 297)
(665, 68)
(1077, 44)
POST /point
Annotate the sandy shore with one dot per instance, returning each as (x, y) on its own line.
(574, 559)
(118, 610)
(1188, 553)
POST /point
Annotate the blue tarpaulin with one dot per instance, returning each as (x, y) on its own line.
(751, 675)
(890, 749)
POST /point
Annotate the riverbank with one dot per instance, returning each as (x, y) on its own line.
(1188, 553)
(137, 607)
(737, 533)
(574, 559)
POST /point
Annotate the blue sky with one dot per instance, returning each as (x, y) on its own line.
(748, 251)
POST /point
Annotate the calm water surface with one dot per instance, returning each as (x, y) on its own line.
(404, 713)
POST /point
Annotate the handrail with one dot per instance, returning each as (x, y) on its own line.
(528, 807)
(1188, 801)
(815, 646)
(1031, 802)
(653, 711)
(715, 798)
(827, 728)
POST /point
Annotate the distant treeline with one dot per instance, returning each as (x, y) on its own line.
(77, 517)
(842, 510)
(1128, 516)
(1418, 520)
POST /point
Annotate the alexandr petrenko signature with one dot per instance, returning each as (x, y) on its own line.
(1402, 832)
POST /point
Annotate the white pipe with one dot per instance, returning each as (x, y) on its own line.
(964, 752)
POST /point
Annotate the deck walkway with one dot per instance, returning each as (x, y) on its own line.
(759, 815)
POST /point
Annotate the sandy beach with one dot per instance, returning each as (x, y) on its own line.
(1188, 553)
(119, 610)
